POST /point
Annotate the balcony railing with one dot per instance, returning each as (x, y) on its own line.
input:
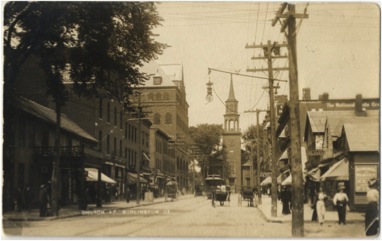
(74, 151)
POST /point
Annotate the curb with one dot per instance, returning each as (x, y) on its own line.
(26, 219)
(275, 220)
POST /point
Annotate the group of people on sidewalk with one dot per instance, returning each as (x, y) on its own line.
(341, 200)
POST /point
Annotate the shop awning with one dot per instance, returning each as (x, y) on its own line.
(132, 178)
(284, 155)
(287, 181)
(314, 174)
(339, 171)
(266, 181)
(92, 176)
(146, 157)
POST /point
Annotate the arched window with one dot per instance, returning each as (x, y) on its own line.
(151, 96)
(158, 96)
(156, 118)
(166, 96)
(168, 118)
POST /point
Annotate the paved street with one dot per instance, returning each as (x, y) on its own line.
(191, 217)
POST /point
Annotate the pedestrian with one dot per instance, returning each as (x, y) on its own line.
(314, 206)
(284, 196)
(43, 200)
(28, 198)
(320, 206)
(372, 212)
(341, 200)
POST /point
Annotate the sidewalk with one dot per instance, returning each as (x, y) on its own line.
(330, 216)
(73, 211)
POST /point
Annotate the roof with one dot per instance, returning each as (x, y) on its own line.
(174, 71)
(49, 115)
(231, 96)
(336, 119)
(169, 73)
(361, 136)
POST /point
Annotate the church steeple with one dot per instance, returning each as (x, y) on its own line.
(231, 96)
(231, 118)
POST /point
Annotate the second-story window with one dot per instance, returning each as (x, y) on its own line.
(156, 118)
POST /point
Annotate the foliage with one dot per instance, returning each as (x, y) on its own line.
(99, 45)
(206, 137)
(251, 141)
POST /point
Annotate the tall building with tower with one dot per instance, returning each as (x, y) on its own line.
(232, 140)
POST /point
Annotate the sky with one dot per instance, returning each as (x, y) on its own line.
(338, 50)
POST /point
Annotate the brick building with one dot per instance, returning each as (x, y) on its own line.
(164, 95)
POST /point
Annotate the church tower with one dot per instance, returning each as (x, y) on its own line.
(232, 140)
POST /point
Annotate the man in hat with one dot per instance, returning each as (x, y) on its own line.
(341, 200)
(372, 212)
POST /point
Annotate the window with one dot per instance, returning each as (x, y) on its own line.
(166, 96)
(151, 96)
(158, 96)
(168, 118)
(157, 80)
(156, 118)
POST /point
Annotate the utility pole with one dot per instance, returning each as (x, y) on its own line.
(268, 50)
(257, 153)
(297, 180)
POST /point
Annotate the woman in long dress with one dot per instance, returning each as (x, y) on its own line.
(320, 206)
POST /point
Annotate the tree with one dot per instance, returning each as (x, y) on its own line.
(99, 45)
(207, 139)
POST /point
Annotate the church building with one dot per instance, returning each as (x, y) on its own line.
(232, 140)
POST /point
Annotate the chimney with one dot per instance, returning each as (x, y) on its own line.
(359, 111)
(323, 97)
(306, 94)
